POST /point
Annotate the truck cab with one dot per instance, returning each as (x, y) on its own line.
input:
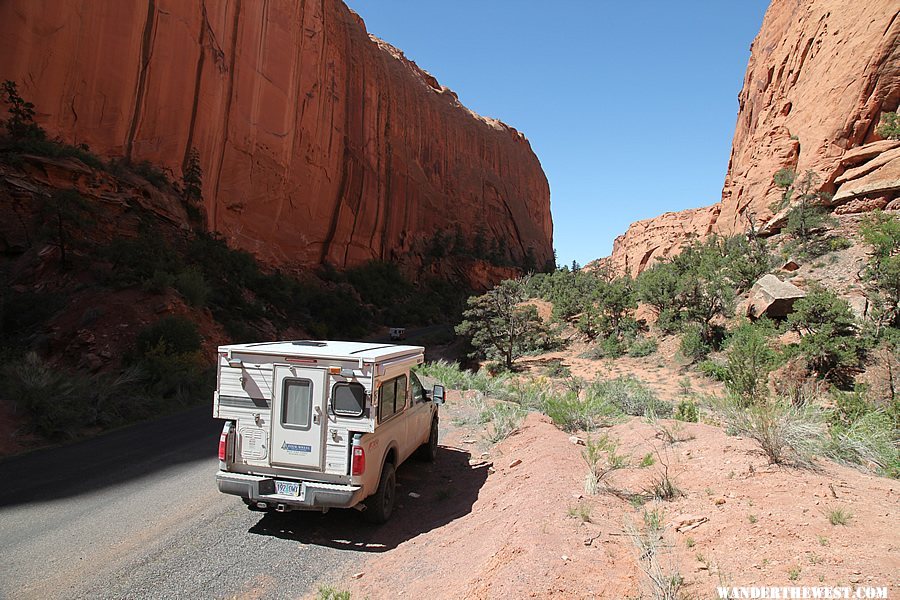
(321, 424)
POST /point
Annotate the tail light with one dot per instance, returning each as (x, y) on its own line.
(359, 461)
(223, 441)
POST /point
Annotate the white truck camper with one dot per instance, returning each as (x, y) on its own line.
(313, 425)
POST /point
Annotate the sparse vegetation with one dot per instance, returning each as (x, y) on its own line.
(785, 433)
(581, 511)
(504, 419)
(662, 580)
(839, 516)
(327, 592)
(602, 458)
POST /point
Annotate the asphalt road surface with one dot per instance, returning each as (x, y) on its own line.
(135, 514)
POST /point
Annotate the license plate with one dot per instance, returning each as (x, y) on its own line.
(287, 488)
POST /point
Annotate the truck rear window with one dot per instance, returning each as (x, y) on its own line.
(348, 399)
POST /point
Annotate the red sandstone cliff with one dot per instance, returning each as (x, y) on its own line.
(820, 75)
(318, 143)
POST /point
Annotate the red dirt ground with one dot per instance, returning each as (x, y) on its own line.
(524, 538)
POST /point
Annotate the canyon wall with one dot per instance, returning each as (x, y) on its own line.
(318, 143)
(821, 73)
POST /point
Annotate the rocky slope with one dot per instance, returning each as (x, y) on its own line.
(820, 75)
(318, 143)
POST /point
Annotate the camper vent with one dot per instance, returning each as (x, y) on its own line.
(309, 343)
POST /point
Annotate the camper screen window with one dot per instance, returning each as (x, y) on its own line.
(296, 409)
(392, 398)
(348, 399)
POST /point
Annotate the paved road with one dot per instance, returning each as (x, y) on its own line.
(135, 514)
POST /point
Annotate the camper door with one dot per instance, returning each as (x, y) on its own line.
(298, 414)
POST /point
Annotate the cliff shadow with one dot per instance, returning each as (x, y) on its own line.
(445, 490)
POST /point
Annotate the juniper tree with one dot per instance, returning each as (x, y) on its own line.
(499, 327)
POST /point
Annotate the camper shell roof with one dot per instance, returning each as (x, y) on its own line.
(371, 352)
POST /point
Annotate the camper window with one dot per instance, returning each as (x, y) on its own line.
(296, 408)
(348, 399)
(391, 397)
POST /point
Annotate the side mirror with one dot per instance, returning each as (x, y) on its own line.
(437, 395)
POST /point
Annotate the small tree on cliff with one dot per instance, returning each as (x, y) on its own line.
(499, 327)
(889, 126)
(20, 123)
(806, 213)
(192, 178)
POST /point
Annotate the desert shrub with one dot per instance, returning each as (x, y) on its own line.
(713, 370)
(872, 440)
(327, 592)
(882, 232)
(642, 347)
(504, 419)
(61, 403)
(806, 214)
(750, 359)
(22, 313)
(153, 174)
(146, 258)
(556, 368)
(570, 412)
(193, 286)
(453, 377)
(177, 334)
(662, 579)
(829, 343)
(630, 396)
(687, 410)
(889, 126)
(786, 433)
(602, 457)
(693, 346)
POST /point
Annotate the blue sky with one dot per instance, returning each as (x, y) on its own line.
(630, 106)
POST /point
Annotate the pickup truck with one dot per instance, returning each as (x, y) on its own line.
(313, 425)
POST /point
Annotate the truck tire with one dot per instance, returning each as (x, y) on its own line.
(428, 451)
(380, 505)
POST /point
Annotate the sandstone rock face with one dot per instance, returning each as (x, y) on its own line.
(821, 73)
(651, 240)
(318, 143)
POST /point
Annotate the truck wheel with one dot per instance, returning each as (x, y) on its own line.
(428, 450)
(380, 505)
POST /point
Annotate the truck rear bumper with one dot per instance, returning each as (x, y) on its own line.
(313, 495)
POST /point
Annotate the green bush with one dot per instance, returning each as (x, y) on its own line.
(630, 396)
(62, 403)
(871, 440)
(693, 347)
(555, 368)
(889, 126)
(504, 419)
(713, 370)
(172, 335)
(785, 433)
(750, 359)
(642, 347)
(193, 287)
(687, 410)
(829, 342)
(570, 412)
